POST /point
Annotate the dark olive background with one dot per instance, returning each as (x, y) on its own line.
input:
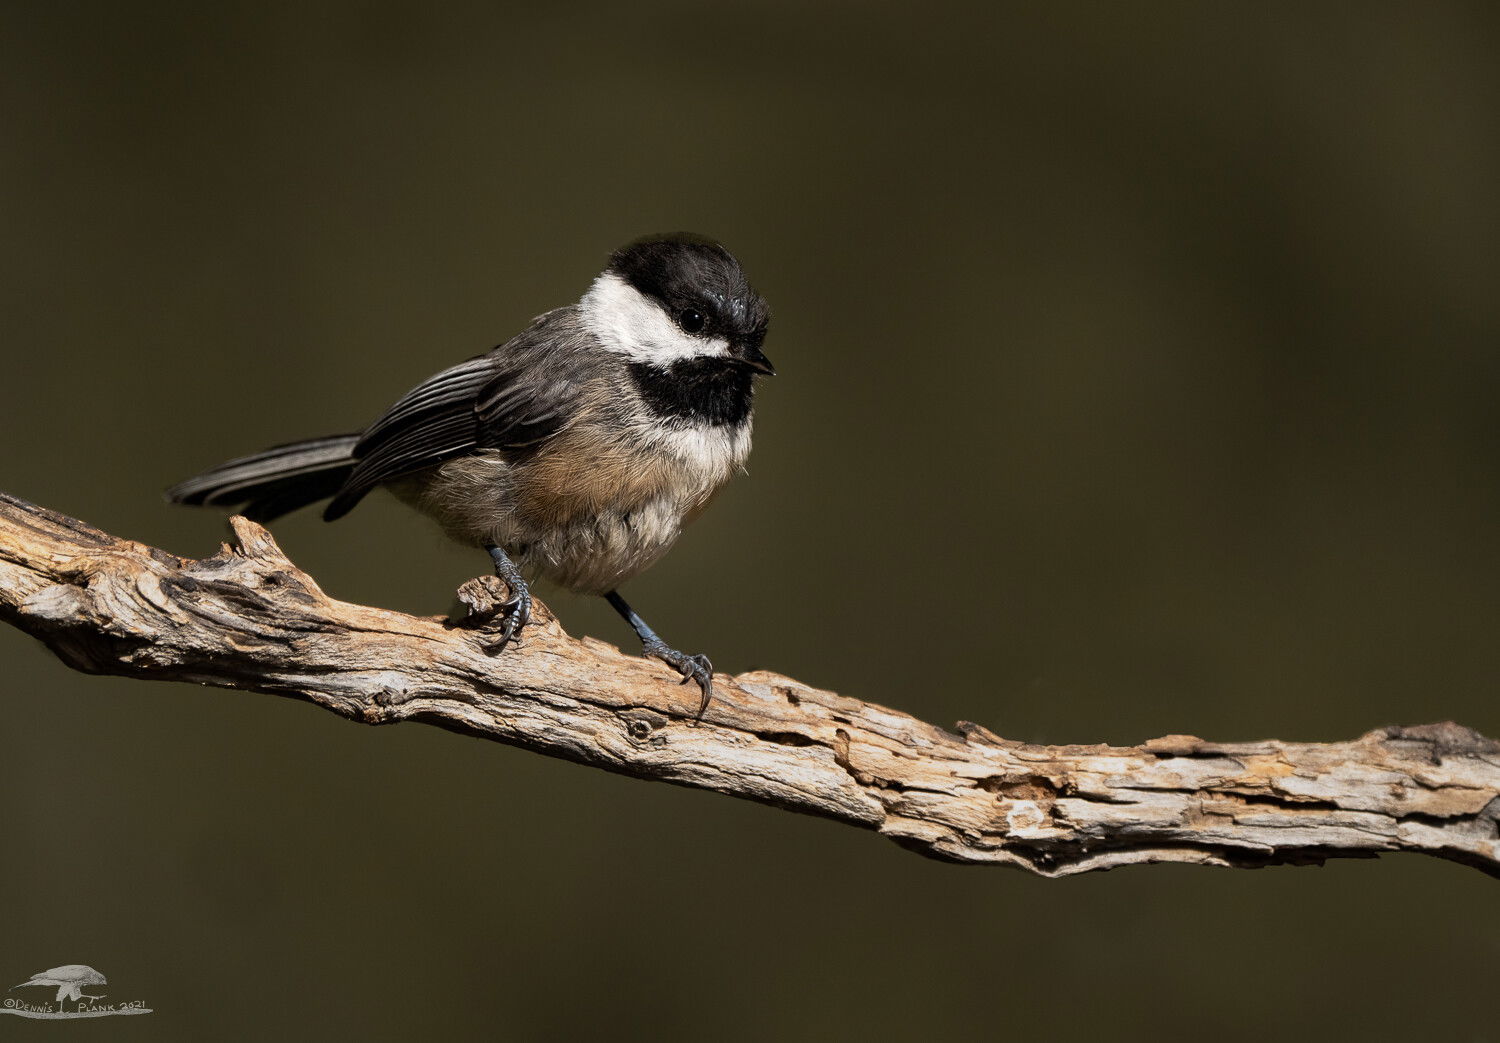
(1138, 369)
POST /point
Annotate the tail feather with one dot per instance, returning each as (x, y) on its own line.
(275, 481)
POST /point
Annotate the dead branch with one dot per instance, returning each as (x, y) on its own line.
(248, 618)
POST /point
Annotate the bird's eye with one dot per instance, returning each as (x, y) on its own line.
(691, 321)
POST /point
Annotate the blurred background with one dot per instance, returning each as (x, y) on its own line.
(1150, 349)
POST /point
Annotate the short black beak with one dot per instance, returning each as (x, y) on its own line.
(751, 355)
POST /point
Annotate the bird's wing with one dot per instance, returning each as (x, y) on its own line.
(525, 403)
(39, 979)
(511, 399)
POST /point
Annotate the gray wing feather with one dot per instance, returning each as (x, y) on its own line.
(511, 399)
(456, 385)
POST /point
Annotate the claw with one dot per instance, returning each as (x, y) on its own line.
(704, 675)
(517, 612)
(517, 608)
(691, 667)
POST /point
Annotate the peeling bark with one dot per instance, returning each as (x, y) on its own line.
(248, 618)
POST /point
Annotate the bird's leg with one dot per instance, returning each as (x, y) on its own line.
(691, 667)
(517, 610)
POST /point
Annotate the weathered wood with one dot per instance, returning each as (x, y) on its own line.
(248, 618)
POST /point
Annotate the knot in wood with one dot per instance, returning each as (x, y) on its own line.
(641, 725)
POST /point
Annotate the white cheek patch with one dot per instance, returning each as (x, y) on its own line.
(628, 322)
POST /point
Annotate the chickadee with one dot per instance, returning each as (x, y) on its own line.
(575, 451)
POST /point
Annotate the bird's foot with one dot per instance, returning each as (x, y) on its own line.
(517, 610)
(691, 667)
(489, 598)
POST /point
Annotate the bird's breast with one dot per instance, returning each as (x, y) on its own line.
(602, 509)
(591, 507)
(590, 472)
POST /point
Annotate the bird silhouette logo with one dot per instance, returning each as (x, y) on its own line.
(69, 981)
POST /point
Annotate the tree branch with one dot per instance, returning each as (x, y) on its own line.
(248, 618)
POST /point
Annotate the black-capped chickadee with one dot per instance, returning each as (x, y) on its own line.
(575, 451)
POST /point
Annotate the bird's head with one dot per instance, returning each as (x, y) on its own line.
(676, 298)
